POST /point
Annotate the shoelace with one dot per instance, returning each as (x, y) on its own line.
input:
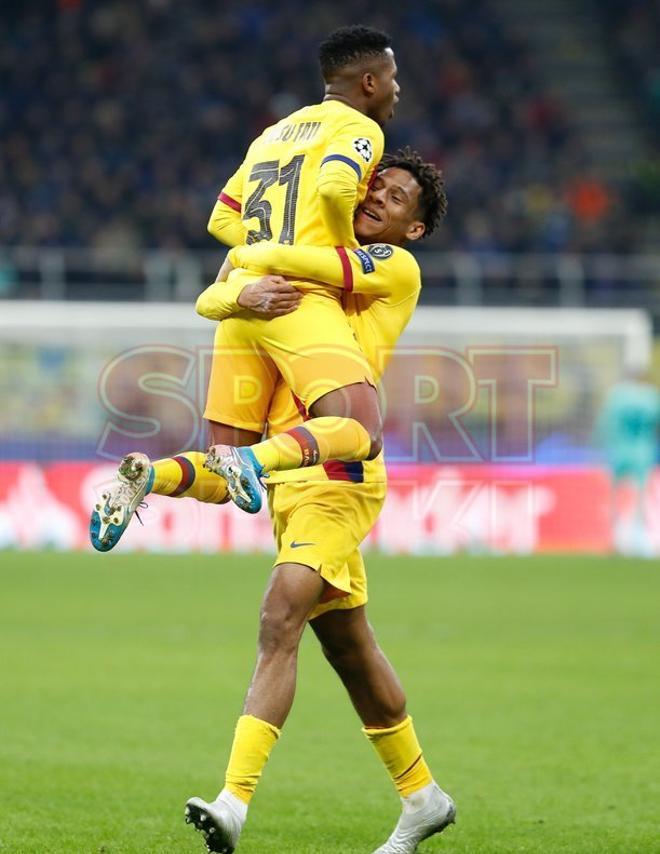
(143, 506)
(125, 493)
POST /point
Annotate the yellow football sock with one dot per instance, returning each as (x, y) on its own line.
(401, 754)
(184, 476)
(318, 440)
(253, 741)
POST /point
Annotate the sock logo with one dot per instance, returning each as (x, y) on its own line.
(295, 545)
(308, 446)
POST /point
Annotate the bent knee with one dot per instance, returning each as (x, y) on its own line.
(279, 629)
(376, 445)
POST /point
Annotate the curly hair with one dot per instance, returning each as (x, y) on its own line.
(350, 44)
(432, 197)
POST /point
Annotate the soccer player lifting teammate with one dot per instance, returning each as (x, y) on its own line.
(322, 516)
(299, 184)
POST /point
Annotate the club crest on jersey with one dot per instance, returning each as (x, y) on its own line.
(364, 148)
(380, 250)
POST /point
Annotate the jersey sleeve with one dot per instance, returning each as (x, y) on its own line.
(225, 223)
(379, 270)
(220, 300)
(348, 160)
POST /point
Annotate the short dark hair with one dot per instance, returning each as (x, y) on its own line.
(348, 45)
(432, 198)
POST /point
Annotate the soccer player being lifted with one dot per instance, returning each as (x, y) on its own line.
(320, 513)
(300, 184)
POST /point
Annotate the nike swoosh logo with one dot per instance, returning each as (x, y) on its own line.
(295, 545)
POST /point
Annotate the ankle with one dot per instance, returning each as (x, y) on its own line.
(237, 805)
(419, 799)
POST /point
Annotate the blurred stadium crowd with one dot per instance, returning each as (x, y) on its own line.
(120, 120)
(634, 27)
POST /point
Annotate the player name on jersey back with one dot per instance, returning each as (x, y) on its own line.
(293, 132)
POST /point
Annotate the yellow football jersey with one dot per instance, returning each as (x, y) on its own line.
(380, 286)
(301, 181)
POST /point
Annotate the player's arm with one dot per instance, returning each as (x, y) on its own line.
(220, 299)
(350, 157)
(268, 297)
(380, 270)
(225, 222)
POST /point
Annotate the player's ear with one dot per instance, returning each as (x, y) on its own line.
(368, 83)
(415, 230)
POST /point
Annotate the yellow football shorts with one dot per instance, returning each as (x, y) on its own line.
(321, 524)
(313, 349)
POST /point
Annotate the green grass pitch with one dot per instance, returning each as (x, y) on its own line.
(533, 683)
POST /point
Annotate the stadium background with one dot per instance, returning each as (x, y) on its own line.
(120, 121)
(532, 678)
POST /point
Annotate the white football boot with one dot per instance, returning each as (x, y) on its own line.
(221, 821)
(110, 517)
(428, 811)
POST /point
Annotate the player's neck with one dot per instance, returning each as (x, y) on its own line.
(345, 99)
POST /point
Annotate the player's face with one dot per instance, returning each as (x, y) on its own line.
(389, 213)
(386, 90)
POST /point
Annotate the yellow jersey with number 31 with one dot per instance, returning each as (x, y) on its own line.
(279, 189)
